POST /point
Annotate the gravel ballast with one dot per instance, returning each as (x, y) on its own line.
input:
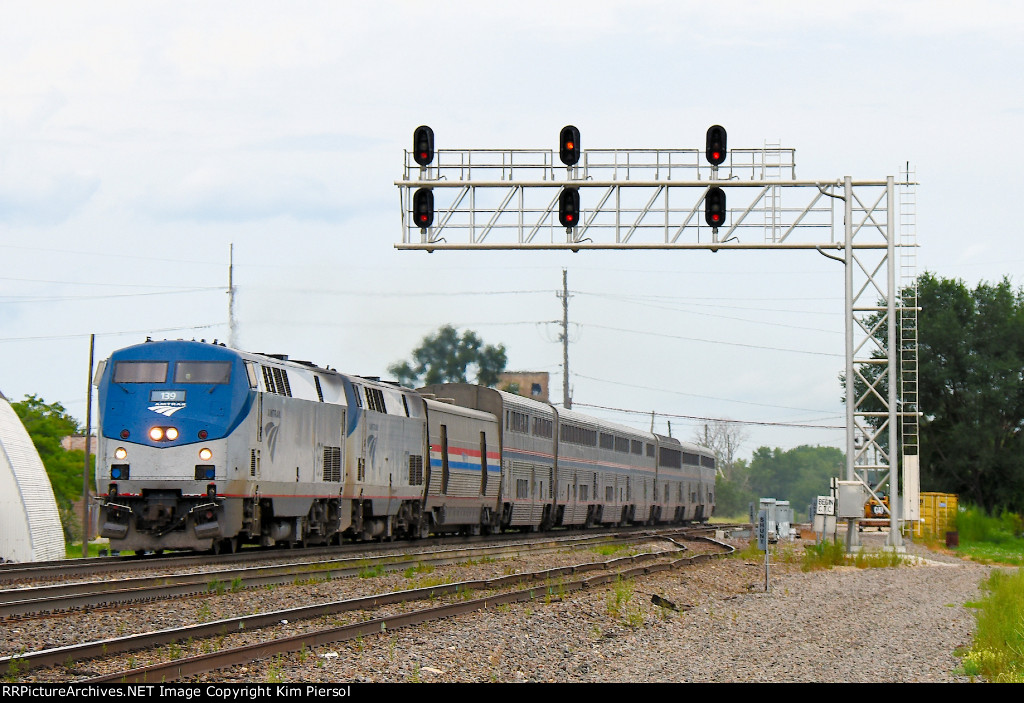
(896, 624)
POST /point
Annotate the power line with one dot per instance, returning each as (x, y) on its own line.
(713, 341)
(763, 423)
(110, 334)
(21, 299)
(702, 397)
(393, 294)
(106, 284)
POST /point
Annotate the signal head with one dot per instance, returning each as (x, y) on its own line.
(423, 145)
(569, 145)
(716, 147)
(423, 208)
(569, 207)
(714, 207)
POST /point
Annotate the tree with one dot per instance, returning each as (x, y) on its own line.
(47, 424)
(445, 357)
(732, 490)
(724, 439)
(798, 475)
(971, 373)
(971, 390)
(733, 495)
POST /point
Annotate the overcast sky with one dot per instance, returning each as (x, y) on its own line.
(139, 140)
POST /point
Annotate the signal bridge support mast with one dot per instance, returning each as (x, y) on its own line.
(574, 199)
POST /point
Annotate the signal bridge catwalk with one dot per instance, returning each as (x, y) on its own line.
(629, 198)
(575, 199)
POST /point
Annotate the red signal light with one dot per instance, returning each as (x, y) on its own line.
(423, 145)
(716, 145)
(568, 207)
(423, 207)
(714, 206)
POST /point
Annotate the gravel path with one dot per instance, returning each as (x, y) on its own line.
(843, 625)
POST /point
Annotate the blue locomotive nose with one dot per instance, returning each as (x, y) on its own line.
(166, 394)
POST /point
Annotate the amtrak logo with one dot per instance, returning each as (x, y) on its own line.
(270, 430)
(371, 450)
(166, 410)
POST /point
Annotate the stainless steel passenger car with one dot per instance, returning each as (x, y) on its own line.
(205, 447)
(563, 468)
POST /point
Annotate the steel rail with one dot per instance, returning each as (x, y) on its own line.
(20, 663)
(190, 666)
(21, 602)
(63, 568)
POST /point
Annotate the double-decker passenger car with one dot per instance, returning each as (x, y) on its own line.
(205, 447)
(561, 467)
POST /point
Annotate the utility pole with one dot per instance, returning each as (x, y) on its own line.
(566, 398)
(86, 522)
(232, 325)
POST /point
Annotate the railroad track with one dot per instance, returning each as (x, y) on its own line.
(540, 583)
(44, 600)
(67, 569)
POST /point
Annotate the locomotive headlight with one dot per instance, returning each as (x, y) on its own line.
(120, 453)
(205, 454)
(156, 434)
(171, 433)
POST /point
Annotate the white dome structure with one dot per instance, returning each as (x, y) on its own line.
(29, 523)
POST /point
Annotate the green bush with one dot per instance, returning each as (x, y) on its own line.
(974, 525)
(824, 555)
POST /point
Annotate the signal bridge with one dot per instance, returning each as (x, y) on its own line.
(629, 198)
(575, 199)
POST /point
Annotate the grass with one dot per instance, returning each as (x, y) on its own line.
(997, 652)
(974, 525)
(418, 569)
(728, 519)
(621, 593)
(984, 553)
(829, 554)
(990, 539)
(620, 607)
(749, 552)
(369, 572)
(607, 550)
(73, 550)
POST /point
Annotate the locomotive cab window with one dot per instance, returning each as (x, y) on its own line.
(250, 371)
(140, 372)
(217, 372)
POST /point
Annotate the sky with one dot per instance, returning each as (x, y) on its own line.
(140, 141)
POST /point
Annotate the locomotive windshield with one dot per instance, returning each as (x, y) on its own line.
(140, 372)
(202, 372)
